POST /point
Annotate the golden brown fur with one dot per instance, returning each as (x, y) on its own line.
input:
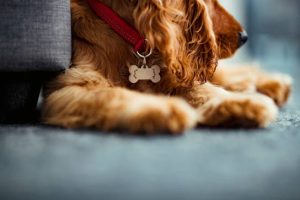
(188, 38)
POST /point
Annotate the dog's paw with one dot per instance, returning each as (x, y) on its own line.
(238, 110)
(277, 87)
(159, 114)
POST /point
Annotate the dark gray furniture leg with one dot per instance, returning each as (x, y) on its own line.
(19, 94)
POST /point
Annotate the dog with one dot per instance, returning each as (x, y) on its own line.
(108, 86)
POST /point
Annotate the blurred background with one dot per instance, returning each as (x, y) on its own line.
(274, 32)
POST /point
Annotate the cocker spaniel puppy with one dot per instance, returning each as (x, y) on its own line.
(166, 80)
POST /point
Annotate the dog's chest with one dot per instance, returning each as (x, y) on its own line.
(143, 86)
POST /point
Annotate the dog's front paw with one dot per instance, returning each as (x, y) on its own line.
(277, 87)
(159, 114)
(238, 110)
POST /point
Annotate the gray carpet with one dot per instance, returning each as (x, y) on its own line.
(38, 162)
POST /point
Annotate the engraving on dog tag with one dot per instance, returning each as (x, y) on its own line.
(144, 73)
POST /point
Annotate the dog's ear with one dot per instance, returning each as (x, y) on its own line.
(155, 19)
(159, 20)
(200, 37)
(182, 33)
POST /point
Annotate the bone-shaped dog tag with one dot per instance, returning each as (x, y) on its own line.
(144, 73)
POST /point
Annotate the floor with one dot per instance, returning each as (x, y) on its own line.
(38, 162)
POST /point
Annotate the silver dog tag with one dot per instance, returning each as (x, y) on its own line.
(144, 73)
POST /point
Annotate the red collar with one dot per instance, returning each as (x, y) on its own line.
(129, 33)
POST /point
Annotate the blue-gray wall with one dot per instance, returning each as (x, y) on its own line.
(274, 29)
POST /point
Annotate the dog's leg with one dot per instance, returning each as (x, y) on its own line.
(112, 108)
(277, 86)
(251, 79)
(218, 107)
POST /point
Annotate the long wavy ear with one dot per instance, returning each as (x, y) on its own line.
(201, 42)
(159, 21)
(182, 33)
(155, 19)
